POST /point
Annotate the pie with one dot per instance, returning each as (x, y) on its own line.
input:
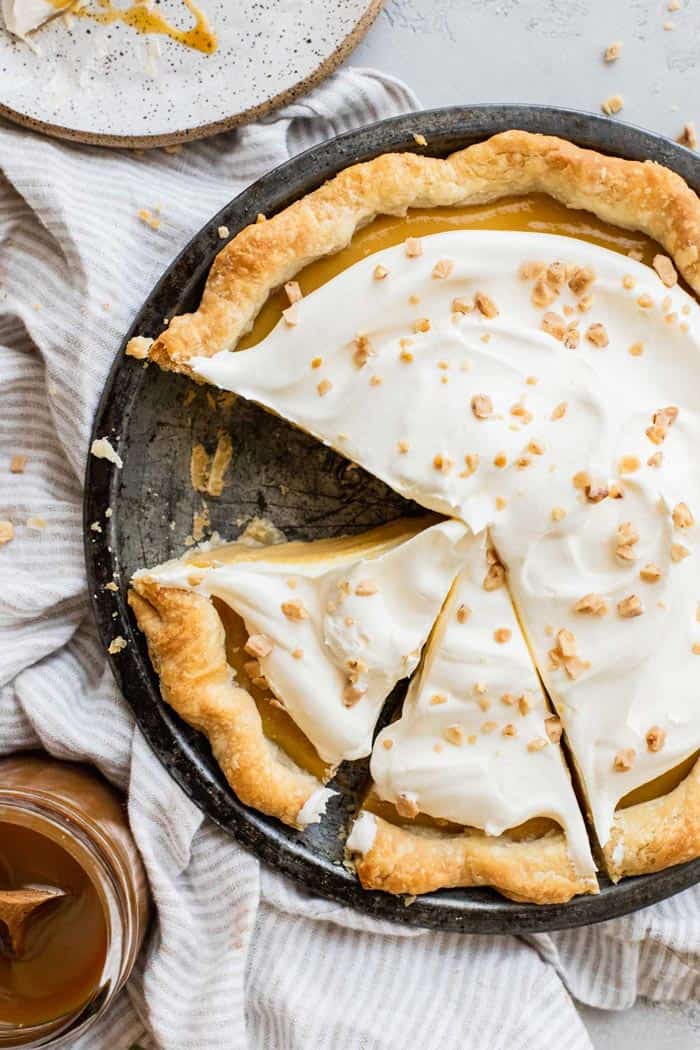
(284, 655)
(512, 344)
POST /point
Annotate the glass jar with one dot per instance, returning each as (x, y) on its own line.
(72, 807)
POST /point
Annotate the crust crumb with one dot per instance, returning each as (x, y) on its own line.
(612, 105)
(138, 347)
(613, 51)
(666, 270)
(258, 645)
(688, 136)
(116, 645)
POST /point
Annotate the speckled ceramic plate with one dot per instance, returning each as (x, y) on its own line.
(153, 418)
(112, 86)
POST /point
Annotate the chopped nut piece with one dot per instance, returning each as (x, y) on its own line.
(472, 463)
(138, 347)
(406, 356)
(421, 324)
(403, 447)
(116, 645)
(528, 271)
(509, 730)
(363, 350)
(414, 248)
(612, 51)
(298, 654)
(366, 588)
(630, 607)
(593, 604)
(597, 334)
(524, 704)
(258, 645)
(453, 735)
(566, 642)
(560, 410)
(500, 460)
(666, 417)
(666, 270)
(581, 280)
(612, 105)
(291, 315)
(508, 699)
(351, 694)
(555, 275)
(7, 532)
(495, 577)
(438, 698)
(522, 462)
(376, 381)
(624, 760)
(650, 573)
(536, 744)
(502, 635)
(682, 516)
(536, 447)
(655, 738)
(628, 465)
(485, 305)
(482, 406)
(461, 306)
(554, 325)
(582, 480)
(553, 728)
(521, 413)
(420, 140)
(293, 291)
(628, 282)
(294, 610)
(558, 513)
(488, 727)
(688, 136)
(316, 362)
(443, 268)
(463, 613)
(564, 654)
(678, 552)
(636, 350)
(406, 806)
(323, 387)
(645, 301)
(380, 272)
(596, 493)
(542, 294)
(443, 463)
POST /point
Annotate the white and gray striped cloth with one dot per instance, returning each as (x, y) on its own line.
(240, 957)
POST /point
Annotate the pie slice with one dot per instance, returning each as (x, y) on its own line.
(283, 656)
(470, 786)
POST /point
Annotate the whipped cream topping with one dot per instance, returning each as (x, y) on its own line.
(516, 400)
(472, 745)
(341, 634)
(24, 16)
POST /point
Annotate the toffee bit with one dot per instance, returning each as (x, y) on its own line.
(461, 306)
(666, 270)
(316, 362)
(323, 387)
(387, 743)
(554, 325)
(363, 350)
(682, 516)
(500, 460)
(421, 324)
(650, 573)
(366, 588)
(597, 335)
(380, 272)
(463, 613)
(559, 411)
(502, 635)
(624, 760)
(258, 645)
(406, 806)
(352, 695)
(453, 735)
(294, 610)
(592, 604)
(414, 248)
(482, 406)
(678, 552)
(630, 607)
(553, 728)
(581, 280)
(509, 730)
(485, 305)
(293, 292)
(655, 738)
(442, 269)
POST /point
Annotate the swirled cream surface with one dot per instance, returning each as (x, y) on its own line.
(333, 635)
(549, 388)
(476, 743)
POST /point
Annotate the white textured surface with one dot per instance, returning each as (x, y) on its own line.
(550, 52)
(546, 51)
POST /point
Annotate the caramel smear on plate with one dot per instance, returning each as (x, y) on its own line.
(144, 18)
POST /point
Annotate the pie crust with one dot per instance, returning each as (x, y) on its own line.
(634, 195)
(183, 630)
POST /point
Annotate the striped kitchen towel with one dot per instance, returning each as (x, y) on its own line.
(239, 957)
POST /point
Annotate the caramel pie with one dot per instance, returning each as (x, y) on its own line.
(513, 345)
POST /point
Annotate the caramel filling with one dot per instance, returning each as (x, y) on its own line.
(534, 213)
(277, 725)
(661, 785)
(535, 828)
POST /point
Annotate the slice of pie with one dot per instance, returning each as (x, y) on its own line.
(529, 369)
(283, 656)
(470, 787)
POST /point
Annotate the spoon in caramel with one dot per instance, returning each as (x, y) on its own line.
(16, 910)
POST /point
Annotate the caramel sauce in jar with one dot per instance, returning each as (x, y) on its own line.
(63, 828)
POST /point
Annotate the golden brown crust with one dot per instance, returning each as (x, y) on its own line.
(186, 644)
(656, 834)
(640, 196)
(405, 860)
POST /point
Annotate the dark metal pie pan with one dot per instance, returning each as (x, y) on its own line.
(308, 491)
